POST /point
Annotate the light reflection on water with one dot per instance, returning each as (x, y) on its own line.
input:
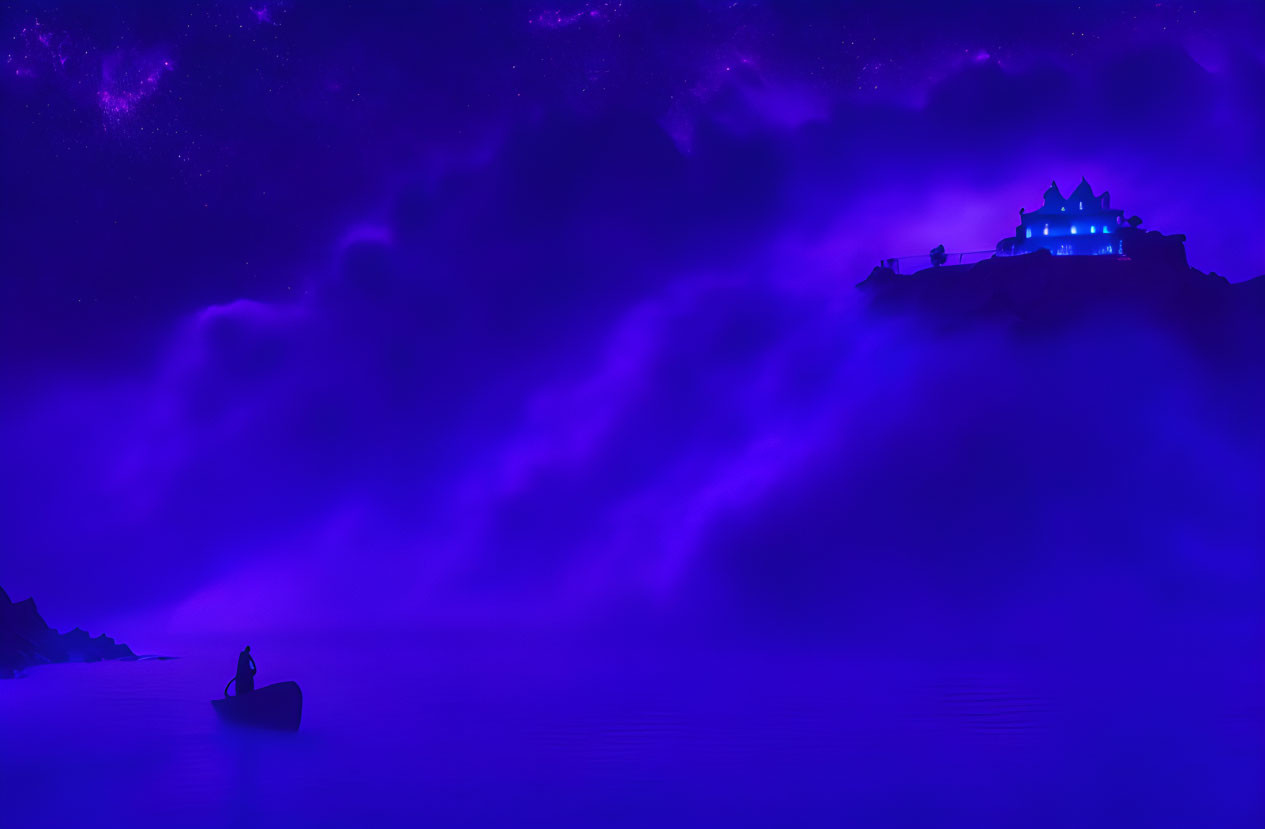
(482, 734)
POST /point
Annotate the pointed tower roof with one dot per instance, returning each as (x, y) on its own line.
(1082, 191)
(1053, 192)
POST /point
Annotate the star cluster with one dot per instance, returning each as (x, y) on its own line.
(127, 79)
(37, 49)
(594, 13)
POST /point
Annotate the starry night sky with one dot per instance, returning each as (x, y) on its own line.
(502, 311)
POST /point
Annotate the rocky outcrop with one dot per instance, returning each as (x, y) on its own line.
(26, 640)
(1039, 291)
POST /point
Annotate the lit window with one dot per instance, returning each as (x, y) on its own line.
(1063, 208)
(1073, 230)
(1093, 228)
(1082, 205)
(1106, 229)
(1045, 231)
(1028, 233)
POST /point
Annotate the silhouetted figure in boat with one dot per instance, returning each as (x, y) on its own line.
(245, 672)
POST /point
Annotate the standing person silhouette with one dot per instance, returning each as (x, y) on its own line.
(245, 672)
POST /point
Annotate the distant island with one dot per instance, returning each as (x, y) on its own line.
(27, 640)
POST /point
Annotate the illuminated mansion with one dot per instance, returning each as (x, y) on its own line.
(1081, 224)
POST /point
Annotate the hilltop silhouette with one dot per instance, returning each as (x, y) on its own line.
(26, 640)
(1040, 290)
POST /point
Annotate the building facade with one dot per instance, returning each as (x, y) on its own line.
(1080, 225)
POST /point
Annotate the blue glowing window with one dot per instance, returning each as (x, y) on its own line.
(1106, 229)
(1028, 233)
(1045, 231)
(1093, 228)
(1082, 205)
(1063, 208)
(1073, 230)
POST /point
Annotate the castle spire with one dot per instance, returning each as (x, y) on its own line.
(1082, 192)
(1053, 196)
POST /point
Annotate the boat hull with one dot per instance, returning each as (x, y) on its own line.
(278, 706)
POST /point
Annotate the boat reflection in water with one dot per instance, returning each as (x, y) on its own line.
(278, 706)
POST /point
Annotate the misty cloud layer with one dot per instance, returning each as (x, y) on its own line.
(597, 354)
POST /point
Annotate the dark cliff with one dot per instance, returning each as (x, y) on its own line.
(26, 640)
(1039, 291)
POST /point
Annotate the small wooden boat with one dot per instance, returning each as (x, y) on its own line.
(278, 706)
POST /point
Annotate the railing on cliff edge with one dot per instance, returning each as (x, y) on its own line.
(918, 263)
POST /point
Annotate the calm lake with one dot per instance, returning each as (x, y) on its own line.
(484, 731)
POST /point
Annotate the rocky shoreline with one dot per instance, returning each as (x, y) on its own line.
(27, 640)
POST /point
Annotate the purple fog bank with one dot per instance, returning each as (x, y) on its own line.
(501, 375)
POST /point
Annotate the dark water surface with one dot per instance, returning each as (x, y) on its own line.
(495, 733)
